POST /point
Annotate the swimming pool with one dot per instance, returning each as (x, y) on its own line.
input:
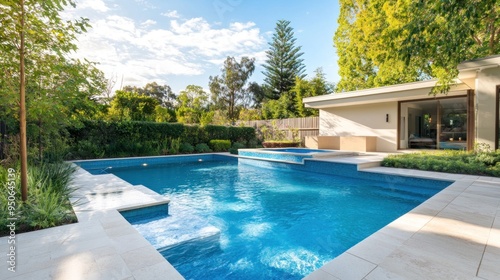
(250, 219)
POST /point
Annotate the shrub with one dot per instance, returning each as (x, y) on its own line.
(217, 132)
(252, 143)
(280, 144)
(98, 139)
(219, 145)
(175, 145)
(48, 198)
(202, 148)
(236, 146)
(186, 148)
(477, 163)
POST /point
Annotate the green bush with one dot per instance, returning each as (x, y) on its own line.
(48, 198)
(218, 145)
(175, 146)
(98, 139)
(235, 147)
(217, 132)
(202, 148)
(192, 134)
(462, 162)
(253, 143)
(186, 148)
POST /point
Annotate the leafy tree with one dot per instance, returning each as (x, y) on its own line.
(308, 88)
(366, 32)
(34, 40)
(383, 42)
(282, 108)
(228, 90)
(283, 62)
(163, 114)
(163, 93)
(257, 93)
(130, 106)
(249, 114)
(442, 34)
(193, 103)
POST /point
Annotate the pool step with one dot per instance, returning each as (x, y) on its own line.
(202, 245)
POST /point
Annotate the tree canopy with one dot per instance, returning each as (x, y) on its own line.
(387, 42)
(37, 76)
(193, 103)
(228, 90)
(283, 61)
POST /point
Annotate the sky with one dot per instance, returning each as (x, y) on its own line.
(184, 42)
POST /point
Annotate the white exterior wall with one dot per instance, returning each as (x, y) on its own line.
(486, 83)
(363, 120)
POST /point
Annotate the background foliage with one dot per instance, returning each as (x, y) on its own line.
(101, 139)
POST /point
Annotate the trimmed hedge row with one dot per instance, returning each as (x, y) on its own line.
(102, 139)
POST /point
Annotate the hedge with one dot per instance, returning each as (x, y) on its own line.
(103, 139)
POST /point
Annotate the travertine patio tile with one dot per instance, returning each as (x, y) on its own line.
(142, 257)
(490, 263)
(457, 229)
(129, 242)
(446, 245)
(160, 271)
(76, 265)
(40, 274)
(422, 262)
(410, 222)
(348, 266)
(380, 273)
(27, 264)
(464, 214)
(120, 229)
(320, 274)
(113, 266)
(485, 190)
(376, 247)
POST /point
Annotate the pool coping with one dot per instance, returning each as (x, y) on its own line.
(454, 234)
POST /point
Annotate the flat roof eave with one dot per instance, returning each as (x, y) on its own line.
(401, 92)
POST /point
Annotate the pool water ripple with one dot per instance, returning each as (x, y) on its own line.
(238, 221)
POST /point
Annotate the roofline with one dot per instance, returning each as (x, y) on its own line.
(373, 91)
(480, 63)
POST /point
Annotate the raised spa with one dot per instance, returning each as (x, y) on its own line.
(296, 155)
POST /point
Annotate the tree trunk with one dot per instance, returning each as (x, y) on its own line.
(22, 111)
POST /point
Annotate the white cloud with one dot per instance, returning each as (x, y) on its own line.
(141, 54)
(148, 23)
(97, 5)
(238, 26)
(171, 14)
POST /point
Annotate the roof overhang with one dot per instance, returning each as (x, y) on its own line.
(401, 92)
(468, 72)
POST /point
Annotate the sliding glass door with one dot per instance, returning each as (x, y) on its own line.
(434, 124)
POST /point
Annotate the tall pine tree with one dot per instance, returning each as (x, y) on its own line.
(283, 62)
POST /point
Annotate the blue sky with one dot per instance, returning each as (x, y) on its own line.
(183, 42)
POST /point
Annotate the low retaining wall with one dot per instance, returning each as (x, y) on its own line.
(344, 143)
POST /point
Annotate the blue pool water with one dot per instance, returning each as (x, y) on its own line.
(256, 220)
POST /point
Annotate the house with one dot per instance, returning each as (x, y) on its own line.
(407, 116)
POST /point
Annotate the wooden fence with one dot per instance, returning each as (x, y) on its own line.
(304, 126)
